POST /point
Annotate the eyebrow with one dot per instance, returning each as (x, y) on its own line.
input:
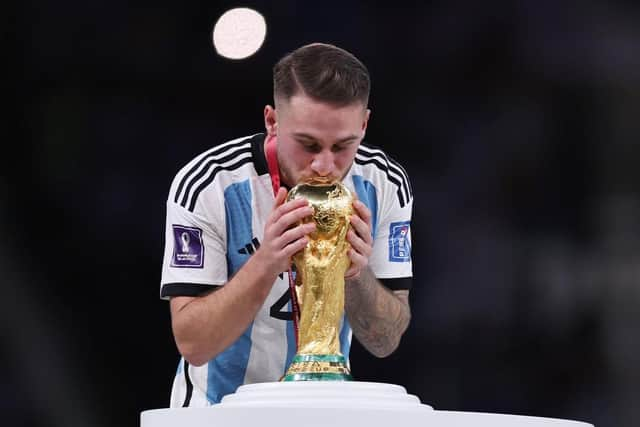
(303, 135)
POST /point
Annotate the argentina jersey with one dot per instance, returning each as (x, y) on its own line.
(216, 210)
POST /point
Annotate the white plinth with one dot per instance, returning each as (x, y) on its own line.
(332, 404)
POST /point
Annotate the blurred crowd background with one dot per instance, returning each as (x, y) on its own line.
(517, 121)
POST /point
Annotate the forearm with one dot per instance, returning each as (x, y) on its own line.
(205, 326)
(377, 316)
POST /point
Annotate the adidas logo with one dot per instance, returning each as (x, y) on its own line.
(251, 247)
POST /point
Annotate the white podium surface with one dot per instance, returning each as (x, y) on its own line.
(332, 404)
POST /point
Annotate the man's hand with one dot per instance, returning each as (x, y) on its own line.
(284, 235)
(360, 239)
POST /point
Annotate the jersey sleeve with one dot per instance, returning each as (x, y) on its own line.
(391, 256)
(194, 255)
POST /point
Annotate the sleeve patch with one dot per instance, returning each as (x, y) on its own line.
(399, 245)
(188, 249)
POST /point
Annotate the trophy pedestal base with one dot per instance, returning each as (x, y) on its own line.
(316, 367)
(332, 403)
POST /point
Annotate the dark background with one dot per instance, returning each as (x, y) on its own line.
(518, 122)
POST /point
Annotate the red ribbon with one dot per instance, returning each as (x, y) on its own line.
(272, 163)
(274, 173)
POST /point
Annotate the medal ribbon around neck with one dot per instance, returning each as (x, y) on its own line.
(274, 173)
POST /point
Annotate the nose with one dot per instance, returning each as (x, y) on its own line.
(323, 163)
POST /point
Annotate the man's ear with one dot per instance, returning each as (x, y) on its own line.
(270, 120)
(365, 121)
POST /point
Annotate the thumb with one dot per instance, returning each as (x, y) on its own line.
(281, 196)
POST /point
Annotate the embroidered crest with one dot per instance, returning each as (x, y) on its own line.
(399, 244)
(188, 249)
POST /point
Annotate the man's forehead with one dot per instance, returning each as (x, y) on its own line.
(301, 101)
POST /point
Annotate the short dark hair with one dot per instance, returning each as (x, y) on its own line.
(323, 72)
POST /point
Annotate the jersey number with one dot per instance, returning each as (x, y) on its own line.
(276, 309)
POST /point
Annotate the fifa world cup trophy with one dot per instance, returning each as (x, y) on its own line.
(320, 269)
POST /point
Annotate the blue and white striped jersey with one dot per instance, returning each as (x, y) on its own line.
(216, 210)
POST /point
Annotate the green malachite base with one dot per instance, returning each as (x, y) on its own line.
(318, 367)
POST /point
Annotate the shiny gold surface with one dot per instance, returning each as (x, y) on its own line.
(321, 266)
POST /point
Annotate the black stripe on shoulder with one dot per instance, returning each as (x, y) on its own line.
(186, 289)
(371, 152)
(211, 154)
(211, 177)
(398, 283)
(403, 172)
(390, 177)
(214, 163)
(259, 157)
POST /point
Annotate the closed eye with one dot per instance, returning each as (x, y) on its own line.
(311, 147)
(343, 145)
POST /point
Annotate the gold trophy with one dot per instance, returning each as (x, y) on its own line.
(320, 269)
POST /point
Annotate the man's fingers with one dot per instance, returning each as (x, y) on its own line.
(361, 228)
(279, 214)
(288, 207)
(297, 232)
(357, 263)
(363, 211)
(292, 218)
(294, 247)
(359, 245)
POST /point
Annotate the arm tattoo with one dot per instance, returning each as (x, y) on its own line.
(377, 315)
